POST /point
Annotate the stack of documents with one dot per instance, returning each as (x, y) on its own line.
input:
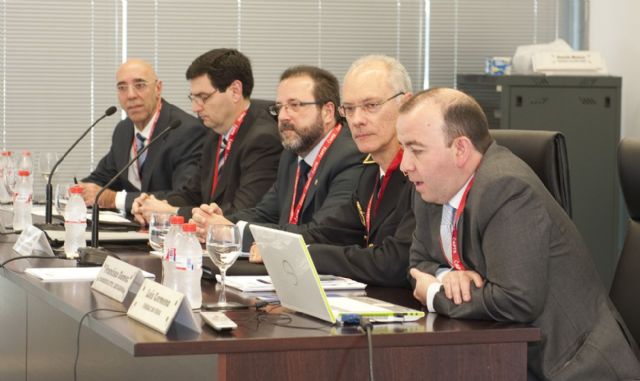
(252, 283)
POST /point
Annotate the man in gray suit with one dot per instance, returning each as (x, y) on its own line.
(492, 243)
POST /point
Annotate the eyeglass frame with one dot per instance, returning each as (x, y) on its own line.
(139, 85)
(367, 107)
(274, 109)
(201, 99)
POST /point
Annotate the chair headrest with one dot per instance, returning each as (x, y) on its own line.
(629, 173)
(546, 153)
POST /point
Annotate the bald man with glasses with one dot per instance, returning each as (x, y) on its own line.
(166, 165)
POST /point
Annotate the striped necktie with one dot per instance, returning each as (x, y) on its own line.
(446, 229)
(223, 146)
(139, 146)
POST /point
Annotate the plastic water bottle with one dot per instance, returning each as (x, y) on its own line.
(189, 265)
(25, 163)
(22, 202)
(75, 223)
(169, 252)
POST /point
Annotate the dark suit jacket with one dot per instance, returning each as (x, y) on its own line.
(537, 270)
(169, 163)
(333, 184)
(246, 175)
(342, 247)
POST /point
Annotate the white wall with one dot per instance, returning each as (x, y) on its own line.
(613, 31)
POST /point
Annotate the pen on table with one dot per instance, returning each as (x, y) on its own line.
(75, 180)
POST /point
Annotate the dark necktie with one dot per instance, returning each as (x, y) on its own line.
(139, 145)
(302, 180)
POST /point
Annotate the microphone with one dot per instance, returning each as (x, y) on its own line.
(96, 255)
(48, 190)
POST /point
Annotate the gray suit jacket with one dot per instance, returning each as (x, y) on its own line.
(537, 270)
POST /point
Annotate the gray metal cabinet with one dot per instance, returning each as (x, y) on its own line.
(587, 111)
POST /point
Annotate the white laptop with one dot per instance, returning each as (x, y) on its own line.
(298, 286)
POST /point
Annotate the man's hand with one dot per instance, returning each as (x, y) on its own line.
(149, 205)
(254, 254)
(136, 209)
(423, 280)
(457, 284)
(89, 192)
(207, 215)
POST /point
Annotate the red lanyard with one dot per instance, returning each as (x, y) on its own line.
(135, 146)
(385, 181)
(456, 262)
(227, 149)
(294, 214)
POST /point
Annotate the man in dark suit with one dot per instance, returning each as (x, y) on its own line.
(380, 209)
(240, 157)
(167, 164)
(492, 243)
(319, 168)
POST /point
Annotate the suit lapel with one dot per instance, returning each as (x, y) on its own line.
(154, 153)
(389, 201)
(243, 130)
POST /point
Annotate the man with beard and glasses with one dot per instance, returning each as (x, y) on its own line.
(165, 166)
(319, 167)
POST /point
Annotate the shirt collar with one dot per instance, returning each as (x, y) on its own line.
(147, 129)
(311, 156)
(228, 133)
(454, 202)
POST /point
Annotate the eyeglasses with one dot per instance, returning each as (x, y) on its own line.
(347, 110)
(200, 99)
(138, 86)
(293, 107)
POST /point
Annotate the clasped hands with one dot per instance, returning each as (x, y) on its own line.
(146, 204)
(206, 215)
(456, 284)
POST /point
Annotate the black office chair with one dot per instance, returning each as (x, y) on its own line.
(546, 153)
(626, 284)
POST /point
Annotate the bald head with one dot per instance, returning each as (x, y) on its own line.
(462, 115)
(139, 91)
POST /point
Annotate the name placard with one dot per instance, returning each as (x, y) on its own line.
(32, 241)
(116, 278)
(157, 306)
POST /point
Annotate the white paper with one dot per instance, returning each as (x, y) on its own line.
(104, 236)
(69, 274)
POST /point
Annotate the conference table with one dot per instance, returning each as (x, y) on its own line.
(39, 324)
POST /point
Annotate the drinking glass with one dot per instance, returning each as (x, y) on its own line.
(61, 197)
(9, 173)
(158, 227)
(46, 161)
(223, 247)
